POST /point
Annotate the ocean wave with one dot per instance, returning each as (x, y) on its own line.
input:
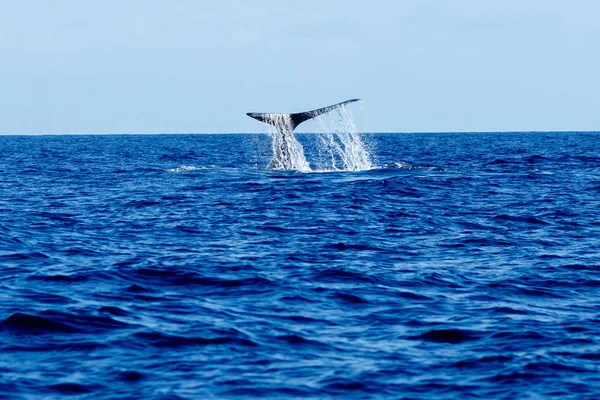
(172, 266)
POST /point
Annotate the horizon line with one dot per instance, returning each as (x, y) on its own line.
(263, 133)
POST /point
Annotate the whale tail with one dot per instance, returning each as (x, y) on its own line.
(295, 119)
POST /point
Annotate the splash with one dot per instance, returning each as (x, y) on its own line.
(186, 168)
(341, 145)
(288, 152)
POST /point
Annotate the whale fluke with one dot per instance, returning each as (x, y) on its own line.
(296, 119)
(287, 151)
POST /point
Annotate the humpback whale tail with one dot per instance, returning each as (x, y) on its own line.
(288, 153)
(295, 119)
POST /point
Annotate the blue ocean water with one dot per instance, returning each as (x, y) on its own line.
(465, 265)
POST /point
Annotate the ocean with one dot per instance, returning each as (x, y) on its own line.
(457, 265)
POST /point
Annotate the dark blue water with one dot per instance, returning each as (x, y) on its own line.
(467, 267)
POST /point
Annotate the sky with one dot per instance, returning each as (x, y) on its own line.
(197, 66)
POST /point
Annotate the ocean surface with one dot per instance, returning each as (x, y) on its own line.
(461, 265)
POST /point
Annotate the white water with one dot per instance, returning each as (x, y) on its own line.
(288, 145)
(185, 168)
(341, 145)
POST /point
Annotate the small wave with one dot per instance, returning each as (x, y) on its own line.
(588, 356)
(502, 161)
(514, 378)
(301, 341)
(342, 275)
(138, 170)
(188, 168)
(411, 296)
(508, 310)
(70, 388)
(130, 376)
(59, 322)
(349, 298)
(555, 366)
(351, 246)
(452, 336)
(161, 340)
(520, 219)
(142, 203)
(23, 256)
(535, 158)
(188, 278)
(57, 278)
(518, 336)
(27, 323)
(482, 362)
(113, 311)
(247, 392)
(137, 289)
(410, 166)
(333, 170)
(339, 386)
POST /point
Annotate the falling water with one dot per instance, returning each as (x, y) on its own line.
(341, 146)
(288, 152)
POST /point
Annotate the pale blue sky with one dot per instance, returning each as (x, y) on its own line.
(144, 66)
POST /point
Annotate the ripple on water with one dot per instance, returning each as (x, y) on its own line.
(460, 265)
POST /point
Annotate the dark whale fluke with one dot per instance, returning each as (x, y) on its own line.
(284, 143)
(297, 118)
